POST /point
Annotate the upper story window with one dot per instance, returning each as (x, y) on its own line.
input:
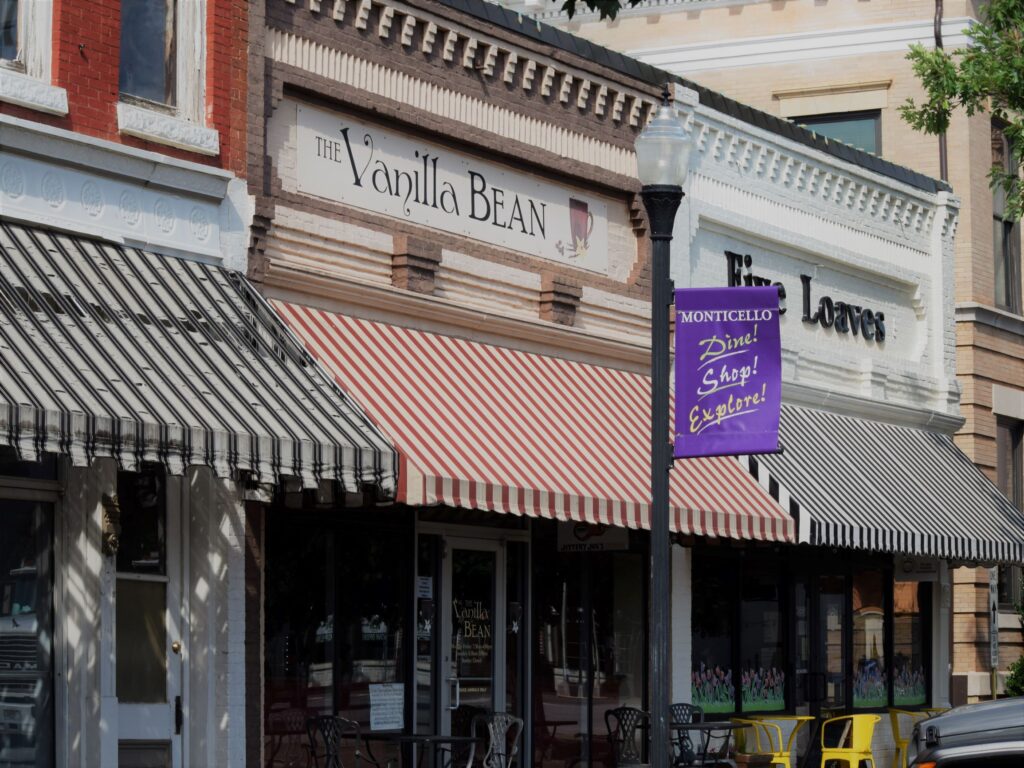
(163, 72)
(862, 130)
(1005, 233)
(148, 50)
(9, 52)
(1010, 477)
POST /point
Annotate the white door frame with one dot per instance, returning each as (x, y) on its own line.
(157, 722)
(449, 683)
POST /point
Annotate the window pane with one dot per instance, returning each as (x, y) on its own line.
(9, 29)
(870, 684)
(859, 130)
(999, 246)
(908, 664)
(141, 628)
(714, 595)
(26, 640)
(148, 49)
(142, 500)
(764, 676)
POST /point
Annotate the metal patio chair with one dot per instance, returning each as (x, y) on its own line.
(625, 734)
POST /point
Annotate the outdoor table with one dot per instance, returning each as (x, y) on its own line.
(707, 730)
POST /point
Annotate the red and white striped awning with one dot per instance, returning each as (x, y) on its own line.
(479, 426)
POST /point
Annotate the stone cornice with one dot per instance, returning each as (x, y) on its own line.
(982, 314)
(848, 405)
(111, 159)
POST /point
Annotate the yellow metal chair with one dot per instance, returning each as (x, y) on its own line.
(900, 736)
(854, 743)
(769, 738)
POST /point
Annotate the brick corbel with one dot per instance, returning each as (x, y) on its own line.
(414, 263)
(559, 298)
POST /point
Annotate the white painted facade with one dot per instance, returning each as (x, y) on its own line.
(85, 186)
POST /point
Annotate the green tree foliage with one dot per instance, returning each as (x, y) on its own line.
(608, 9)
(988, 77)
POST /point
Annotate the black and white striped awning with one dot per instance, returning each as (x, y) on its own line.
(114, 351)
(864, 484)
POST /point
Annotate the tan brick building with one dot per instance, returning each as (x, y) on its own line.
(843, 67)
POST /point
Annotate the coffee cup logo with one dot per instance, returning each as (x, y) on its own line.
(581, 225)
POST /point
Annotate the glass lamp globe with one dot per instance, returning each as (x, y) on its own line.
(663, 150)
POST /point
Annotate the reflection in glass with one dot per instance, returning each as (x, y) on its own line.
(590, 634)
(714, 595)
(8, 29)
(26, 639)
(831, 601)
(870, 682)
(142, 547)
(141, 630)
(337, 589)
(761, 653)
(472, 652)
(148, 50)
(908, 663)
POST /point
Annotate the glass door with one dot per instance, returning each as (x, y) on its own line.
(831, 629)
(148, 610)
(473, 625)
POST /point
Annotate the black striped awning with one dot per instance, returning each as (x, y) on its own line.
(113, 351)
(864, 484)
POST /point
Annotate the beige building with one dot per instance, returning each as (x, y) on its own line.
(841, 69)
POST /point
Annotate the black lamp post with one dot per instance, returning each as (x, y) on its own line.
(662, 156)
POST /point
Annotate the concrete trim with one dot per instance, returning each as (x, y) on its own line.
(99, 156)
(1007, 401)
(993, 317)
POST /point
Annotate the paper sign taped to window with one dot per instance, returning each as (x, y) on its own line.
(387, 706)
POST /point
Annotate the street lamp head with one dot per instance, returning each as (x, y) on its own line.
(663, 149)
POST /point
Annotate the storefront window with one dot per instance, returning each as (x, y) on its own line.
(590, 629)
(761, 639)
(26, 634)
(714, 597)
(870, 681)
(908, 665)
(336, 589)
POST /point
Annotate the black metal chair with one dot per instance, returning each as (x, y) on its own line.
(626, 734)
(503, 734)
(682, 745)
(326, 733)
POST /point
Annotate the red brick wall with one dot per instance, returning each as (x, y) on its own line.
(86, 50)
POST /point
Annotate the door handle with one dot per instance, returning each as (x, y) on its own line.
(179, 716)
(457, 690)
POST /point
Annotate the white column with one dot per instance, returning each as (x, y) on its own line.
(682, 631)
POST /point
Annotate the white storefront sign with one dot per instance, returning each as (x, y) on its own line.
(366, 166)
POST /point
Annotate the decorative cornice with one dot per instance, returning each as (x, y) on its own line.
(999, 319)
(802, 46)
(25, 91)
(848, 405)
(107, 158)
(166, 129)
(745, 154)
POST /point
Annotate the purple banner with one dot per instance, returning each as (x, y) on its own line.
(728, 371)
